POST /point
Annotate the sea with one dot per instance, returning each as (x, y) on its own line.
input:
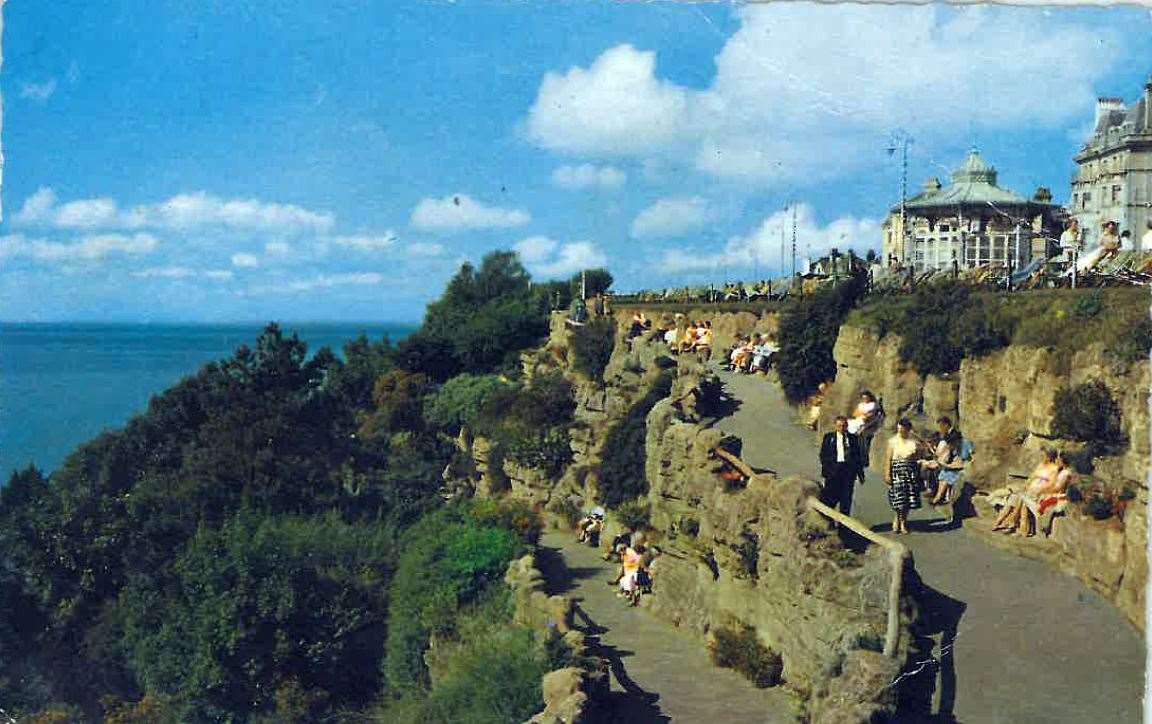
(62, 384)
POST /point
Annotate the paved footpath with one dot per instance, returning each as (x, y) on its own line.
(660, 673)
(1028, 643)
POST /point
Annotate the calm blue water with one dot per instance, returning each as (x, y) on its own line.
(62, 384)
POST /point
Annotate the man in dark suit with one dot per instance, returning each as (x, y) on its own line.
(841, 465)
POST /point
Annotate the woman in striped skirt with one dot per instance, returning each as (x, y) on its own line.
(900, 475)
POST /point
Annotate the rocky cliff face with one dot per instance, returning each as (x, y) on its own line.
(757, 555)
(754, 555)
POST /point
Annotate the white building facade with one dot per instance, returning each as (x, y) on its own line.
(1113, 181)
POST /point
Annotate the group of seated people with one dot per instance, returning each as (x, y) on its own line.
(754, 354)
(637, 560)
(695, 337)
(1024, 512)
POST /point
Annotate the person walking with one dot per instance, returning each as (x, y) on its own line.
(900, 475)
(841, 465)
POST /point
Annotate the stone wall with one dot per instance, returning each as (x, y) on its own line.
(759, 556)
(1004, 403)
(571, 694)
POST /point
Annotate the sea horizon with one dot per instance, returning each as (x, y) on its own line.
(63, 383)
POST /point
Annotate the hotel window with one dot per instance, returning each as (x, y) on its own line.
(945, 227)
(1116, 194)
(1085, 199)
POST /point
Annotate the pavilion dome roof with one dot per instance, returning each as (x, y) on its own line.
(973, 184)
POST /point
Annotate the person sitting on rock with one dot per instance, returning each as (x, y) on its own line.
(952, 453)
(1047, 486)
(703, 346)
(863, 413)
(1041, 480)
(589, 527)
(743, 357)
(815, 402)
(763, 355)
(632, 560)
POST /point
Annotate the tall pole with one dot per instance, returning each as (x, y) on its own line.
(793, 239)
(583, 284)
(782, 254)
(904, 199)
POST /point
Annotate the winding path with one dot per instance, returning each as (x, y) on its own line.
(659, 673)
(1013, 639)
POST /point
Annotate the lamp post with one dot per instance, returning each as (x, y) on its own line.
(900, 139)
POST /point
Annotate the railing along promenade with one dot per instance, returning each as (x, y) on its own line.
(898, 555)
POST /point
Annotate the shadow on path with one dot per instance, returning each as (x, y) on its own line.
(559, 578)
(931, 659)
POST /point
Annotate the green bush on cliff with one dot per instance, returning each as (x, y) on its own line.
(808, 329)
(739, 648)
(529, 423)
(450, 559)
(592, 346)
(1087, 412)
(622, 459)
(460, 400)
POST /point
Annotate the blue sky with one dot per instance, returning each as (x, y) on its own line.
(211, 161)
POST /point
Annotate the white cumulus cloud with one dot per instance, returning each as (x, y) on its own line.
(245, 261)
(762, 246)
(182, 212)
(547, 258)
(322, 281)
(615, 106)
(671, 217)
(807, 92)
(587, 175)
(365, 242)
(460, 211)
(89, 248)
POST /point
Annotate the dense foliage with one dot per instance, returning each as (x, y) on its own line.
(1087, 412)
(808, 329)
(592, 346)
(739, 648)
(260, 604)
(942, 323)
(529, 423)
(480, 323)
(228, 555)
(622, 460)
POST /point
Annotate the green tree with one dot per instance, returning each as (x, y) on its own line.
(260, 602)
(594, 281)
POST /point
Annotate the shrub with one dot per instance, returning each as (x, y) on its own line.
(450, 560)
(529, 424)
(868, 641)
(808, 329)
(592, 347)
(259, 600)
(739, 648)
(634, 514)
(459, 400)
(1132, 347)
(1099, 506)
(929, 341)
(1087, 412)
(748, 553)
(1089, 306)
(622, 461)
(690, 526)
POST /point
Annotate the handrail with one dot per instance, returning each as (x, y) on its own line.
(897, 556)
(735, 462)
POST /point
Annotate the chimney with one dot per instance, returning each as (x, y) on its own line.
(1148, 105)
(1106, 105)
